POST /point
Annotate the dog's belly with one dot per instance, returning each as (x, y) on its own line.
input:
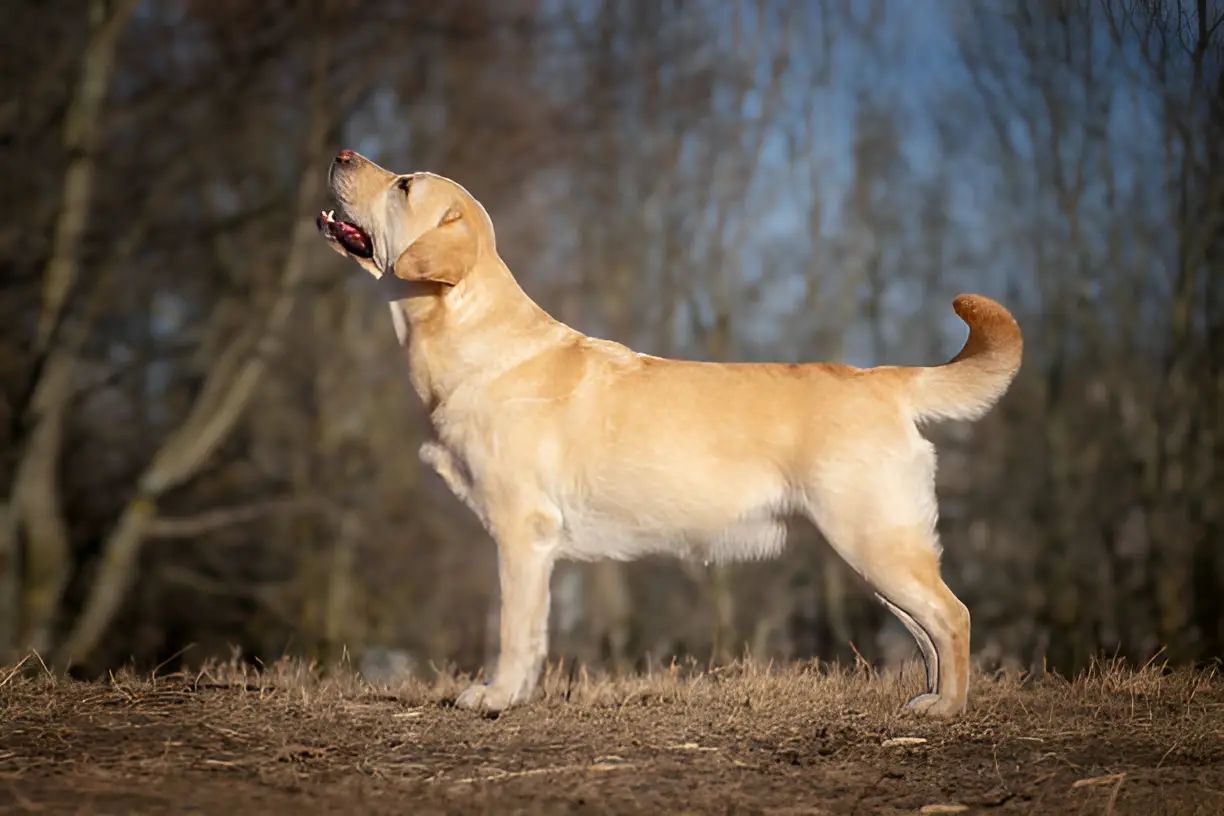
(675, 499)
(596, 536)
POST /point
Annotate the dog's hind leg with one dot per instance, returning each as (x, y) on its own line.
(926, 646)
(902, 566)
(880, 520)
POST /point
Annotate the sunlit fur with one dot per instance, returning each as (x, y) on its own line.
(567, 446)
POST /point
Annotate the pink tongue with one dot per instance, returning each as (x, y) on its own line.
(352, 236)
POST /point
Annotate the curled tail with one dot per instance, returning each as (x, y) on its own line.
(971, 383)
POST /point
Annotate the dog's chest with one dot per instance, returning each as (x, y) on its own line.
(483, 445)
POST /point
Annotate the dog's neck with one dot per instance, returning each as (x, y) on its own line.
(458, 336)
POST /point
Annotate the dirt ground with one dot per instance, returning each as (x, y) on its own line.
(744, 739)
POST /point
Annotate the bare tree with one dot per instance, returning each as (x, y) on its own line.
(208, 432)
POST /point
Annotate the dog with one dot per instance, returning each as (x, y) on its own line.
(567, 446)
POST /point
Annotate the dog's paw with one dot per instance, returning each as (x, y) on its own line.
(490, 698)
(935, 706)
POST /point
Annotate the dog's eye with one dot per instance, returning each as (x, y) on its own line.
(404, 184)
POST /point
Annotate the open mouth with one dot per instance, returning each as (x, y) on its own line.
(350, 236)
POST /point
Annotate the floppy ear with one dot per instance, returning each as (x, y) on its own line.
(442, 255)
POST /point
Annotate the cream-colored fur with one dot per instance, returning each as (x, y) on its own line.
(566, 446)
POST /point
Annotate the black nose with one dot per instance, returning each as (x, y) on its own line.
(345, 156)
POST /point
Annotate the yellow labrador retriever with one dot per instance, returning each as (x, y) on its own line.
(566, 446)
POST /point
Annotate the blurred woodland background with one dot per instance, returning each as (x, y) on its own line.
(207, 433)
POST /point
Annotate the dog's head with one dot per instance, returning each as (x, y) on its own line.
(421, 227)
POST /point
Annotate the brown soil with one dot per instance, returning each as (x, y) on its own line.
(741, 740)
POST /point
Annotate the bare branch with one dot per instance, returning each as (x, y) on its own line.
(213, 520)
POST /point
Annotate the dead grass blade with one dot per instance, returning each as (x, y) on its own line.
(13, 673)
(1099, 781)
(501, 776)
(1115, 780)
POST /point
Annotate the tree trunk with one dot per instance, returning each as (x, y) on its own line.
(220, 405)
(10, 584)
(33, 507)
(82, 125)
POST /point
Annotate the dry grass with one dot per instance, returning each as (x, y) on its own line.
(743, 739)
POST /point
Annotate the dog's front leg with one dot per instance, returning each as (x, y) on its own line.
(526, 552)
(443, 463)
